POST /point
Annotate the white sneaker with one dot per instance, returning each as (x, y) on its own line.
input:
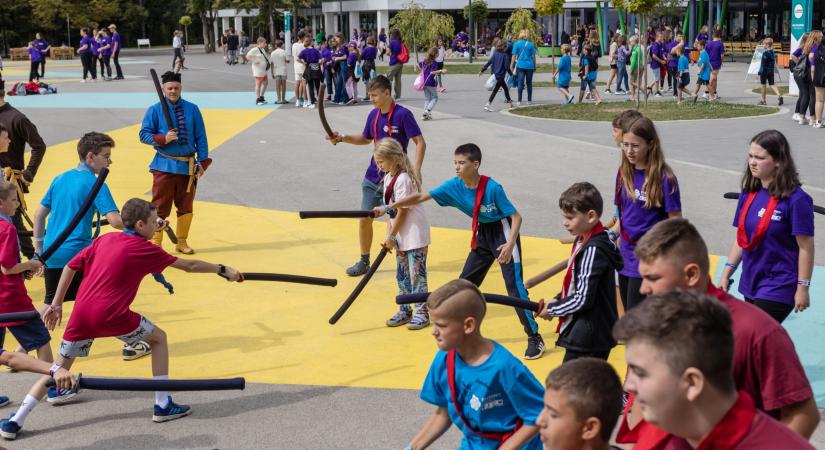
(488, 108)
(298, 103)
(312, 106)
(795, 117)
(817, 124)
(529, 103)
(518, 103)
(83, 80)
(704, 95)
(802, 121)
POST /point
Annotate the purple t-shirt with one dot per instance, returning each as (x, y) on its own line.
(326, 55)
(310, 55)
(771, 270)
(104, 41)
(636, 219)
(352, 58)
(87, 41)
(658, 50)
(382, 38)
(404, 128)
(797, 52)
(673, 60)
(115, 40)
(429, 80)
(715, 50)
(95, 47)
(42, 44)
(702, 37)
(395, 48)
(369, 53)
(34, 54)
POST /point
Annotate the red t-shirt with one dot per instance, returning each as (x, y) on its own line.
(13, 295)
(113, 267)
(765, 364)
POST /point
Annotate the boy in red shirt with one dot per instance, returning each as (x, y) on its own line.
(679, 350)
(113, 268)
(673, 255)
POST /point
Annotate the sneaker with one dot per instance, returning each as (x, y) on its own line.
(529, 102)
(140, 350)
(658, 94)
(298, 103)
(762, 103)
(358, 269)
(400, 318)
(59, 396)
(442, 89)
(9, 428)
(781, 101)
(535, 347)
(518, 104)
(420, 319)
(488, 108)
(608, 91)
(795, 117)
(171, 412)
(311, 106)
(818, 124)
(704, 95)
(259, 102)
(570, 99)
(83, 80)
(4, 400)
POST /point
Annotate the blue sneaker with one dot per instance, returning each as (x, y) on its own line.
(4, 400)
(171, 412)
(9, 428)
(60, 396)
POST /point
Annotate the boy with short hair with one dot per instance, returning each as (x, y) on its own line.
(683, 66)
(495, 227)
(279, 60)
(588, 71)
(767, 69)
(679, 350)
(703, 65)
(586, 306)
(562, 75)
(582, 404)
(475, 382)
(673, 255)
(113, 267)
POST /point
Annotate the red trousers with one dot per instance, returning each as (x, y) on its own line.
(168, 188)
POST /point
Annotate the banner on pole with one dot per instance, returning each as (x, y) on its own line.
(800, 19)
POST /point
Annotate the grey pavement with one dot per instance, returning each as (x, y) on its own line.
(283, 162)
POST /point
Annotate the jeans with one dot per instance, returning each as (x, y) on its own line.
(430, 98)
(328, 81)
(340, 95)
(528, 75)
(622, 77)
(104, 63)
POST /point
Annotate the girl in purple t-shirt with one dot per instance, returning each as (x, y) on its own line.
(775, 231)
(646, 193)
(352, 81)
(429, 70)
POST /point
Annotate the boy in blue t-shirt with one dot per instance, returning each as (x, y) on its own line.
(683, 67)
(562, 75)
(767, 68)
(588, 71)
(496, 224)
(704, 70)
(475, 382)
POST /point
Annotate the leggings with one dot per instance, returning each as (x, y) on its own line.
(43, 66)
(411, 272)
(778, 310)
(807, 97)
(570, 355)
(629, 291)
(105, 63)
(352, 88)
(89, 66)
(314, 86)
(33, 74)
(500, 83)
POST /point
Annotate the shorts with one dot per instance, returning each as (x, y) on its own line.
(684, 81)
(372, 194)
(74, 349)
(31, 335)
(702, 82)
(634, 76)
(614, 66)
(299, 71)
(766, 78)
(564, 86)
(279, 77)
(52, 277)
(260, 79)
(591, 84)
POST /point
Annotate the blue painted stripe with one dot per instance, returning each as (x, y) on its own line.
(138, 100)
(806, 330)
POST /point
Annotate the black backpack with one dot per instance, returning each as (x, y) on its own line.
(800, 69)
(819, 67)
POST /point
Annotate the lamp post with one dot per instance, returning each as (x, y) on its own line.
(472, 41)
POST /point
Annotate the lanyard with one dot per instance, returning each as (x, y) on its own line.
(389, 123)
(482, 186)
(761, 227)
(132, 233)
(390, 189)
(568, 275)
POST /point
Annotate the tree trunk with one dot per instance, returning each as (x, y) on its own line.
(643, 65)
(272, 28)
(208, 38)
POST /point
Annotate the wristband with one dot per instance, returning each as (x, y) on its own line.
(39, 239)
(55, 367)
(221, 269)
(732, 266)
(409, 447)
(612, 235)
(806, 283)
(391, 238)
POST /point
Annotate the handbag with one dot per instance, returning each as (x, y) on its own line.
(490, 83)
(359, 69)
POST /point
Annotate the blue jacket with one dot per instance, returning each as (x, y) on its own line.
(500, 63)
(191, 135)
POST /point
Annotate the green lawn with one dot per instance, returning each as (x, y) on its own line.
(782, 90)
(474, 68)
(573, 85)
(655, 110)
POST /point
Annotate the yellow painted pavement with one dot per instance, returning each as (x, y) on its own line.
(278, 332)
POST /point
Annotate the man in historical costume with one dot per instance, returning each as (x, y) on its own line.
(181, 157)
(12, 161)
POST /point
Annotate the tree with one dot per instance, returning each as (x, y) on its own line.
(185, 21)
(550, 8)
(422, 26)
(522, 19)
(207, 11)
(51, 14)
(480, 14)
(643, 8)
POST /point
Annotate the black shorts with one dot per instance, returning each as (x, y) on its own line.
(31, 335)
(53, 278)
(701, 82)
(766, 78)
(614, 66)
(684, 81)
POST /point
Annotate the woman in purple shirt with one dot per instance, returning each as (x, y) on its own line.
(368, 56)
(807, 96)
(86, 58)
(351, 82)
(326, 58)
(310, 57)
(382, 44)
(105, 52)
(34, 57)
(817, 77)
(775, 231)
(647, 193)
(45, 51)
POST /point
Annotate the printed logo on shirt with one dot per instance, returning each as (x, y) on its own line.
(776, 217)
(395, 129)
(475, 403)
(493, 401)
(487, 208)
(640, 196)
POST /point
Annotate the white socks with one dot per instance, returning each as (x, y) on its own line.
(25, 408)
(161, 397)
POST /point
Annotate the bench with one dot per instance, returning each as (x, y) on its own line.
(62, 53)
(19, 54)
(145, 42)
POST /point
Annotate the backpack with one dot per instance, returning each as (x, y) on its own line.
(404, 56)
(800, 69)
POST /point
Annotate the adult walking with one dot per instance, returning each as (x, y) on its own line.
(622, 60)
(177, 47)
(104, 55)
(806, 102)
(523, 63)
(232, 44)
(774, 223)
(397, 60)
(45, 51)
(86, 57)
(21, 132)
(816, 59)
(613, 58)
(116, 51)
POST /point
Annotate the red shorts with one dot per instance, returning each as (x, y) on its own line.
(260, 79)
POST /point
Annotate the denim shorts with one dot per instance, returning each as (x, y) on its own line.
(31, 335)
(590, 83)
(372, 194)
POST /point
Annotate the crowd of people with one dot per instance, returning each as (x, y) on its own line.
(100, 46)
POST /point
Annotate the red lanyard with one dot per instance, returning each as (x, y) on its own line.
(390, 189)
(389, 123)
(619, 188)
(568, 276)
(482, 186)
(761, 227)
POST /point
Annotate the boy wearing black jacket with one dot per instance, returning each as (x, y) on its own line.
(586, 306)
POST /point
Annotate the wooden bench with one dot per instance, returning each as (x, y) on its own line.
(19, 54)
(62, 53)
(141, 42)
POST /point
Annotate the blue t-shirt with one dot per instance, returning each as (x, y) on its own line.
(565, 65)
(492, 395)
(64, 198)
(494, 204)
(591, 74)
(704, 66)
(684, 63)
(404, 128)
(524, 51)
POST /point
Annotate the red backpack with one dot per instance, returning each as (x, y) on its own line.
(404, 56)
